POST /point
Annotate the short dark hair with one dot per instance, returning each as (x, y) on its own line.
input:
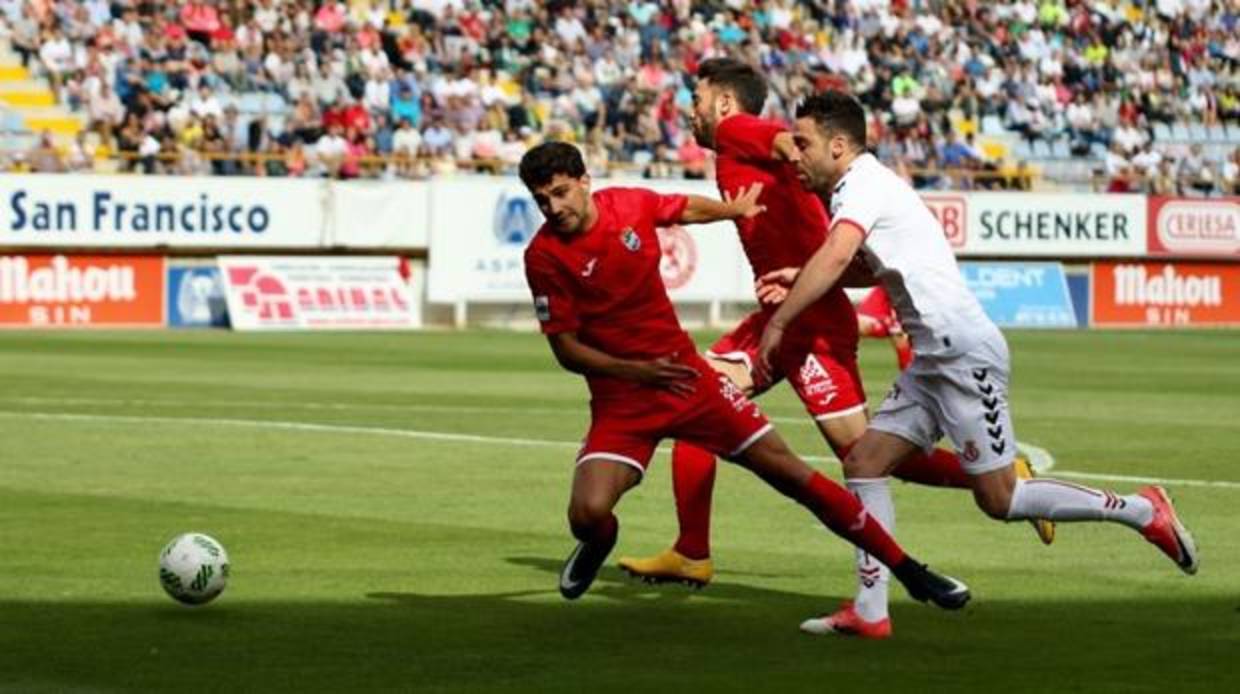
(546, 161)
(836, 112)
(740, 78)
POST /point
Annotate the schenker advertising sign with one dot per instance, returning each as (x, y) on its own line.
(1043, 225)
(1165, 294)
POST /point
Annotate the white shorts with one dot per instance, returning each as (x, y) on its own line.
(964, 397)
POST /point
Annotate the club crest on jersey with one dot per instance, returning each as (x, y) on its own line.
(542, 308)
(970, 452)
(630, 239)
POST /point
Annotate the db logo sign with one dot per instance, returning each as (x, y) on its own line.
(952, 213)
(679, 257)
(1195, 227)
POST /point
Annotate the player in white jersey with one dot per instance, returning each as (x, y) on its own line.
(957, 382)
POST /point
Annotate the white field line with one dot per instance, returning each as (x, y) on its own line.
(496, 440)
(323, 406)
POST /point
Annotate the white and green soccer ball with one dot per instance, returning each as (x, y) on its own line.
(193, 568)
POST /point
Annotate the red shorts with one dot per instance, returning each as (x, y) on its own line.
(827, 382)
(876, 307)
(717, 417)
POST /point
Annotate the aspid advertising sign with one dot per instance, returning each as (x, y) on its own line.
(81, 291)
(1165, 294)
(1194, 226)
(319, 293)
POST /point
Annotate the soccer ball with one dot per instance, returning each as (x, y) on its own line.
(193, 568)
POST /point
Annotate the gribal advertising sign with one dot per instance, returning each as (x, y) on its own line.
(1022, 295)
(1165, 294)
(1035, 224)
(196, 297)
(150, 211)
(81, 291)
(480, 229)
(1194, 226)
(319, 293)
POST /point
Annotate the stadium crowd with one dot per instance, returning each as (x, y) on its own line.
(415, 87)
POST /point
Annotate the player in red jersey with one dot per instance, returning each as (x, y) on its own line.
(876, 318)
(819, 355)
(593, 270)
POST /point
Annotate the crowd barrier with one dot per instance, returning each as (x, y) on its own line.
(1035, 260)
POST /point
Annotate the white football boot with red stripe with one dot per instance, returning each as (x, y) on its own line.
(1167, 533)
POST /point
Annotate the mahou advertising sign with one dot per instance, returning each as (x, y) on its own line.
(1165, 294)
(1194, 226)
(81, 291)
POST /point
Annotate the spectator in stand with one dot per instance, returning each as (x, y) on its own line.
(44, 157)
(617, 77)
(1197, 172)
(1229, 174)
(330, 150)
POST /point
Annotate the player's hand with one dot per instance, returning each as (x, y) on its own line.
(667, 374)
(772, 288)
(772, 335)
(744, 202)
(785, 149)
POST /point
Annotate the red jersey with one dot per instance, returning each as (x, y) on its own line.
(791, 229)
(604, 283)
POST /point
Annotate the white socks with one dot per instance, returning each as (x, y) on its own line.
(872, 575)
(1064, 501)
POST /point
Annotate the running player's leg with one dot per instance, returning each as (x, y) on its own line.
(973, 397)
(830, 387)
(612, 461)
(693, 474)
(771, 459)
(728, 423)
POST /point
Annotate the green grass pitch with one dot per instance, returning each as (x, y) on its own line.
(383, 539)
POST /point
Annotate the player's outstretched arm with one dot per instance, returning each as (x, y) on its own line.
(580, 358)
(741, 203)
(823, 270)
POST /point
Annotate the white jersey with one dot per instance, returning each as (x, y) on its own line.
(907, 250)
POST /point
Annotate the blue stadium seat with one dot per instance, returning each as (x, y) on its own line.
(991, 125)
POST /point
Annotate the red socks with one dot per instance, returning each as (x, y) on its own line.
(843, 513)
(904, 352)
(693, 480)
(939, 468)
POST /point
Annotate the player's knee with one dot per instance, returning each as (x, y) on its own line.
(854, 462)
(586, 514)
(993, 502)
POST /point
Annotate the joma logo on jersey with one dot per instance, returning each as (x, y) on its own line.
(630, 239)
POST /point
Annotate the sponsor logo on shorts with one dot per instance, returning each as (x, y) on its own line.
(815, 380)
(734, 395)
